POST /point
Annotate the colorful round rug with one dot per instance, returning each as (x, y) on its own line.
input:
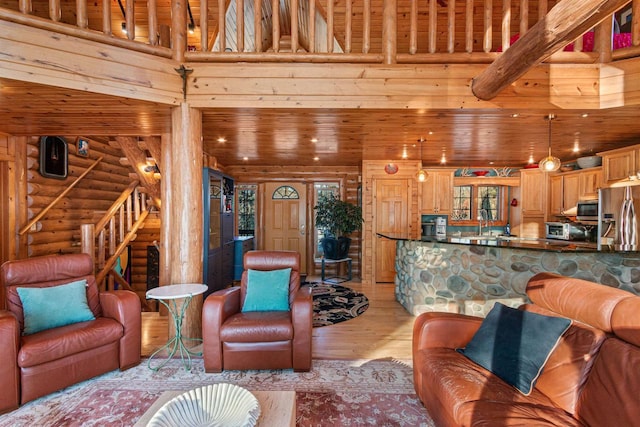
(334, 304)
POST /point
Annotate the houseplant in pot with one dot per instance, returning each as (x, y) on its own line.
(337, 219)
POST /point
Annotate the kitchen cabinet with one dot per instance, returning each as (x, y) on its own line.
(619, 164)
(565, 189)
(533, 185)
(437, 192)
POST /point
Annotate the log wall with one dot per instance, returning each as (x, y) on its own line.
(349, 178)
(58, 231)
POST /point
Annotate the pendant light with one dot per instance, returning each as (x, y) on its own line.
(550, 163)
(422, 174)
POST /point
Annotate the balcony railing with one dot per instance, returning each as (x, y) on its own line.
(364, 31)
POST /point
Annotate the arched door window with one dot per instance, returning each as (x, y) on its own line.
(285, 192)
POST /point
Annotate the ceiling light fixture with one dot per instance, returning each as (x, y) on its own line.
(443, 159)
(222, 139)
(422, 174)
(550, 163)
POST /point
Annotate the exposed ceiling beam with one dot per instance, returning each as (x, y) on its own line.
(563, 24)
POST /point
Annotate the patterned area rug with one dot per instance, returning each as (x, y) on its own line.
(335, 304)
(333, 393)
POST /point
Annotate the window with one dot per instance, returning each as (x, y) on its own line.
(246, 209)
(322, 189)
(285, 192)
(471, 202)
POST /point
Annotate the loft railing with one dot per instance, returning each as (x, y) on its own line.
(364, 31)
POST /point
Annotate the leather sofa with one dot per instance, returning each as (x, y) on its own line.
(591, 378)
(233, 339)
(43, 362)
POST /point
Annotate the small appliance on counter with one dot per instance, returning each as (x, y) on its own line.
(571, 231)
(441, 227)
(428, 228)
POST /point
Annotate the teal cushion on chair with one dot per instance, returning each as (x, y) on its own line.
(46, 308)
(267, 290)
(515, 344)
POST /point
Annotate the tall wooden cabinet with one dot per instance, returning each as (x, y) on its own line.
(219, 229)
(533, 184)
(437, 192)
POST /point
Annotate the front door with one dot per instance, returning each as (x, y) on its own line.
(391, 217)
(285, 219)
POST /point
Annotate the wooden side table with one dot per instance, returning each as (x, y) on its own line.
(337, 278)
(167, 296)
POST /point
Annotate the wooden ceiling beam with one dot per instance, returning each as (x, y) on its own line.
(564, 23)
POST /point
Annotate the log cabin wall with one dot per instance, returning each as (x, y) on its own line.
(58, 231)
(348, 177)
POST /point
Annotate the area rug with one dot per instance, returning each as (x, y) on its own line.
(334, 393)
(334, 304)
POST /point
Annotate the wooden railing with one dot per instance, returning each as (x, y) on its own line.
(366, 31)
(109, 237)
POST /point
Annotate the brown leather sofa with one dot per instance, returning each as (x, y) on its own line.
(233, 339)
(592, 377)
(40, 363)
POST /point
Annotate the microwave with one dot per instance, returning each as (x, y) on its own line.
(568, 231)
(587, 210)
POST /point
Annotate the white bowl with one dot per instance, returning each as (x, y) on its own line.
(212, 405)
(589, 162)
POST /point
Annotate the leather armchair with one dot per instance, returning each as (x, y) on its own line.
(259, 340)
(38, 364)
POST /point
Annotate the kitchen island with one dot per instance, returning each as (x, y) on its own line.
(469, 274)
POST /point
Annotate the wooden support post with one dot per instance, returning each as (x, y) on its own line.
(348, 26)
(294, 26)
(389, 31)
(413, 30)
(186, 205)
(275, 25)
(82, 21)
(563, 24)
(204, 25)
(257, 24)
(106, 17)
(55, 12)
(130, 17)
(506, 24)
(468, 28)
(88, 241)
(178, 29)
(602, 38)
(152, 17)
(451, 26)
(330, 33)
(166, 221)
(366, 26)
(487, 40)
(433, 25)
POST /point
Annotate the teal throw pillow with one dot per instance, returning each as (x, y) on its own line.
(515, 344)
(267, 290)
(46, 308)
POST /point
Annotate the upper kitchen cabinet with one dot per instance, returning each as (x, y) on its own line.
(619, 164)
(533, 185)
(437, 192)
(565, 189)
(590, 182)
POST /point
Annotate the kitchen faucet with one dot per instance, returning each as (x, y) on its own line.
(482, 215)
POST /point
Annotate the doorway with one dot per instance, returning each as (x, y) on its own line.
(285, 219)
(391, 213)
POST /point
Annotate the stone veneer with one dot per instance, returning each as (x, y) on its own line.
(438, 276)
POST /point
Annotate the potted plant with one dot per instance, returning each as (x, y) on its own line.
(337, 219)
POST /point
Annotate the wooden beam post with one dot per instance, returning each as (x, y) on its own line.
(563, 24)
(186, 205)
(178, 29)
(389, 31)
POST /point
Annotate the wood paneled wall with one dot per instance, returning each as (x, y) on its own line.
(348, 177)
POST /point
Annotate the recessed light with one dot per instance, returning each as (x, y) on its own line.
(314, 140)
(222, 139)
(245, 158)
(515, 115)
(430, 132)
(584, 115)
(316, 158)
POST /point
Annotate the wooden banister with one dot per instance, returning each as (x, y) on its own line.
(44, 211)
(116, 205)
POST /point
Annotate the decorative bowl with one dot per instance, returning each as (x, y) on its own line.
(566, 168)
(212, 405)
(480, 173)
(589, 162)
(531, 166)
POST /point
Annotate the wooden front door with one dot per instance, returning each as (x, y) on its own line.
(391, 213)
(285, 219)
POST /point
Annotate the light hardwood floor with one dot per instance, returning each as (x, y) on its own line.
(383, 331)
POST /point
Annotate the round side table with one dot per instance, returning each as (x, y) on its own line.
(167, 296)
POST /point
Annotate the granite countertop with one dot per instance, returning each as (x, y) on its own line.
(514, 242)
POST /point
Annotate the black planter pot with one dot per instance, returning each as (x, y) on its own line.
(336, 248)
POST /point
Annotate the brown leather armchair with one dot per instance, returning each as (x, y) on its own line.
(40, 363)
(258, 340)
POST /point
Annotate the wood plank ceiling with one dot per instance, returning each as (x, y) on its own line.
(344, 137)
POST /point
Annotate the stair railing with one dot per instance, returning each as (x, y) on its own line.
(114, 231)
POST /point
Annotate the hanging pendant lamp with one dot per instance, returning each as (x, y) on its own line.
(550, 163)
(422, 174)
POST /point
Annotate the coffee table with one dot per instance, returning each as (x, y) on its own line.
(167, 295)
(277, 408)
